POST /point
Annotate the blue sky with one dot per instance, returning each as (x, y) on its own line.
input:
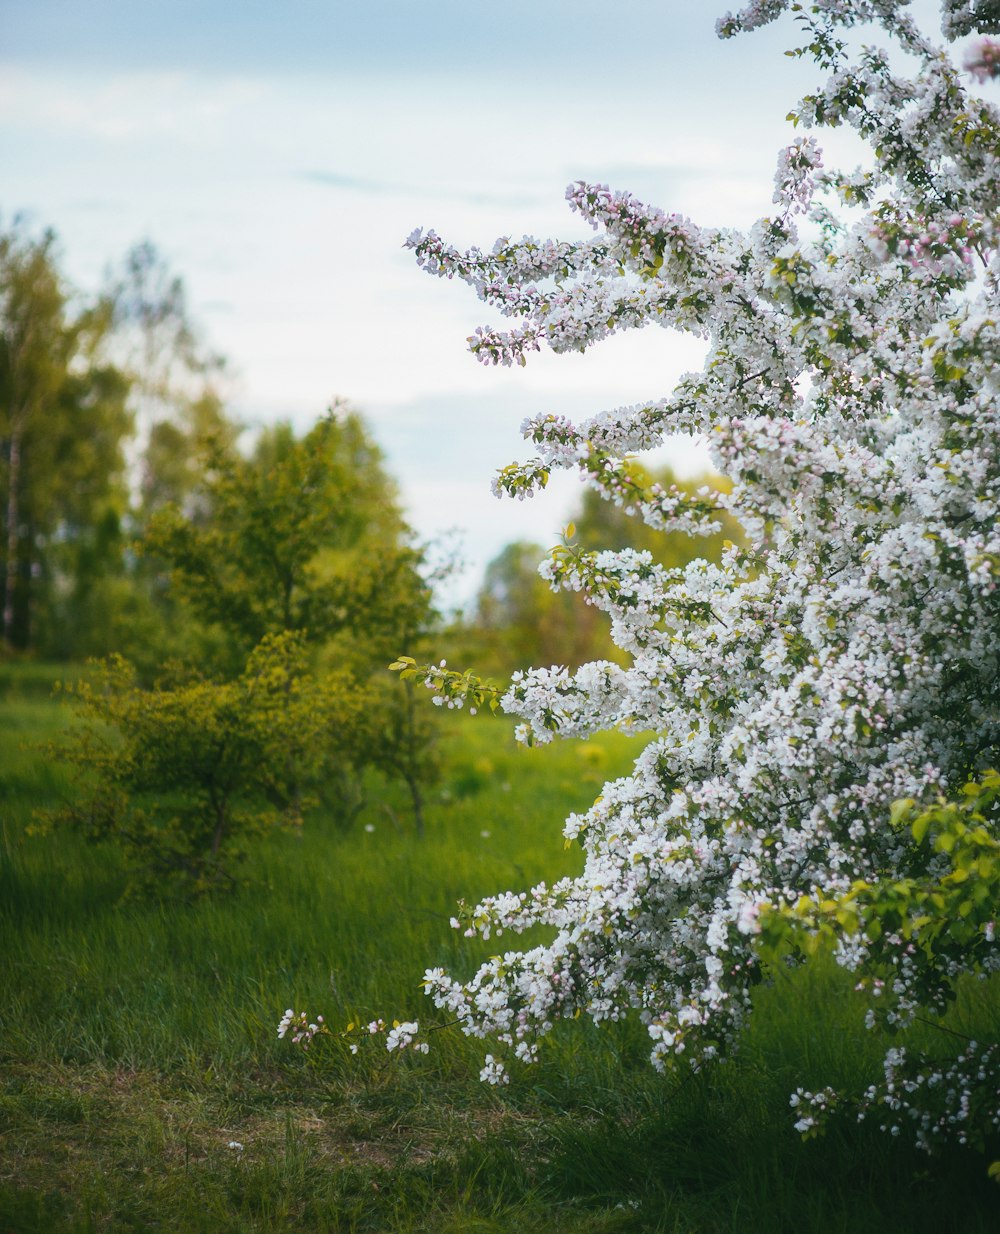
(278, 154)
(324, 36)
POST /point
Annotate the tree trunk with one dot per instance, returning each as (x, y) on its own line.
(13, 519)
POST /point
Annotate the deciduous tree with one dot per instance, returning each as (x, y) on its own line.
(63, 425)
(176, 379)
(305, 536)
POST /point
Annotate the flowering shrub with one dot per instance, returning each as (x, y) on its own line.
(913, 934)
(849, 657)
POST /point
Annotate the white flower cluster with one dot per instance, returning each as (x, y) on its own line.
(957, 1099)
(297, 1026)
(494, 1072)
(969, 17)
(812, 1109)
(795, 179)
(848, 655)
(401, 1036)
(404, 1036)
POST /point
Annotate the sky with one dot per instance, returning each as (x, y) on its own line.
(278, 153)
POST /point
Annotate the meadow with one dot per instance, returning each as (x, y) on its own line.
(144, 1088)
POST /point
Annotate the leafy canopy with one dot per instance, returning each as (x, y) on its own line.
(64, 421)
(303, 536)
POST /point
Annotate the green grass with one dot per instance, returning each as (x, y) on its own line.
(138, 1042)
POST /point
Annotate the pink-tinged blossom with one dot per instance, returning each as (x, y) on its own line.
(982, 59)
(404, 1036)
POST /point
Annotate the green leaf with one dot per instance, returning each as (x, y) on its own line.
(919, 826)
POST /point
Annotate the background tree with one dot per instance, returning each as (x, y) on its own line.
(104, 408)
(176, 379)
(305, 536)
(64, 422)
(518, 620)
(177, 405)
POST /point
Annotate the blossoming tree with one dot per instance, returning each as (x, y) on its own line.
(849, 657)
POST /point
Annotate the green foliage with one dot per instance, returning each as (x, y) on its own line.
(175, 379)
(63, 422)
(181, 778)
(454, 688)
(80, 380)
(944, 905)
(305, 536)
(519, 621)
(139, 1044)
(934, 924)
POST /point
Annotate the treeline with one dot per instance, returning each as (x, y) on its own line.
(245, 601)
(105, 404)
(133, 523)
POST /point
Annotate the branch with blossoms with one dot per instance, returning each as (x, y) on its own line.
(936, 1099)
(296, 1027)
(529, 260)
(909, 938)
(450, 688)
(936, 916)
(665, 509)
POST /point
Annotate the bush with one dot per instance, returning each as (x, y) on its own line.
(182, 778)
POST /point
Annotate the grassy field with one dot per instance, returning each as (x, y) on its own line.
(139, 1048)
